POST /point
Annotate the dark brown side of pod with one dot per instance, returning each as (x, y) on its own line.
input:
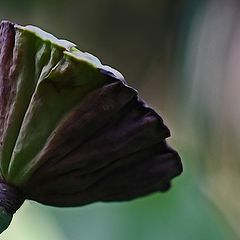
(111, 148)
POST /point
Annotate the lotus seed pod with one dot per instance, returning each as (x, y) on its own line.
(72, 132)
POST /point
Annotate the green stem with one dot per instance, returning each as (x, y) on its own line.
(5, 219)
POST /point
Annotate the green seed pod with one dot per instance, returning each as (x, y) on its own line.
(71, 131)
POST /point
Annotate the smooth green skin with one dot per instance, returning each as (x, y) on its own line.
(5, 219)
(52, 77)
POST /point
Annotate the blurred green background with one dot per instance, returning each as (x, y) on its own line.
(183, 56)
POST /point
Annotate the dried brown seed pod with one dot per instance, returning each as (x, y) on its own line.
(71, 131)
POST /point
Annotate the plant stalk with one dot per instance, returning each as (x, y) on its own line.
(5, 219)
(10, 201)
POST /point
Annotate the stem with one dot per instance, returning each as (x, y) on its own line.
(10, 201)
(5, 219)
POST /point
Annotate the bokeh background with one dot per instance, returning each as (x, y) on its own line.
(184, 58)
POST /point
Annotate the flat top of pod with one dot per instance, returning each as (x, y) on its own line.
(71, 50)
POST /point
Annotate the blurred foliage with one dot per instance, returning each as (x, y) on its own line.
(183, 56)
